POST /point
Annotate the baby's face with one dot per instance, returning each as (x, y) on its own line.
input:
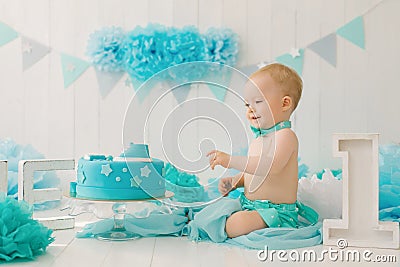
(264, 102)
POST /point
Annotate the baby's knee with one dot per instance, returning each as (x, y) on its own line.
(232, 227)
(243, 222)
(235, 224)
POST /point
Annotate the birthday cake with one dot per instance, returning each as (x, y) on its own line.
(131, 176)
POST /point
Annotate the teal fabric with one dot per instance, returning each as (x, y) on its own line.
(279, 215)
(280, 238)
(154, 225)
(279, 126)
(209, 224)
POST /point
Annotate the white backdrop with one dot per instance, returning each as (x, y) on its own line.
(359, 95)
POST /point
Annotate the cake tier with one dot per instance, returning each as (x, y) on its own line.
(136, 151)
(117, 194)
(99, 177)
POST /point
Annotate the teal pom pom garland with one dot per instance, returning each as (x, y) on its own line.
(143, 52)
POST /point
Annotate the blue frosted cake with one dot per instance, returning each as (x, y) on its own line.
(133, 175)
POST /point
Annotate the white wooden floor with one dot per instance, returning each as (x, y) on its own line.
(69, 251)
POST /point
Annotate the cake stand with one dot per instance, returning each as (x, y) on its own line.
(119, 232)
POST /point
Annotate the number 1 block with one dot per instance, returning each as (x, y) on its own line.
(360, 224)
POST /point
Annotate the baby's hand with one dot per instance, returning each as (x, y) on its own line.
(225, 185)
(218, 158)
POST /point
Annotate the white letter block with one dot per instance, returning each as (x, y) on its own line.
(360, 224)
(3, 176)
(26, 170)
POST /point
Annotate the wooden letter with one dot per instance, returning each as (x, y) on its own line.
(360, 225)
(26, 170)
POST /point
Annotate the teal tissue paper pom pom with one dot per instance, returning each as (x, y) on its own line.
(13, 153)
(222, 46)
(303, 169)
(185, 186)
(145, 51)
(20, 235)
(105, 49)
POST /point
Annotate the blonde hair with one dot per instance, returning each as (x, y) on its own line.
(287, 78)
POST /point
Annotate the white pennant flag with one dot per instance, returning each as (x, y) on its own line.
(32, 52)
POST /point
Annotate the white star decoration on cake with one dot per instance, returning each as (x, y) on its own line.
(294, 52)
(135, 181)
(145, 171)
(106, 169)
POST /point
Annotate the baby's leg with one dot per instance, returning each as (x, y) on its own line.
(243, 222)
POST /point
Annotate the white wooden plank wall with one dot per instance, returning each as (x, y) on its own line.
(359, 95)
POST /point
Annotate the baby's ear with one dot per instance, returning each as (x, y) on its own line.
(287, 103)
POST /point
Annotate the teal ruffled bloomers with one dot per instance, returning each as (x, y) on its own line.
(279, 215)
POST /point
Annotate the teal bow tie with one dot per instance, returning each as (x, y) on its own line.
(261, 132)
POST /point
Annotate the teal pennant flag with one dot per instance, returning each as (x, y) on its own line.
(7, 34)
(222, 80)
(142, 88)
(294, 62)
(353, 32)
(72, 68)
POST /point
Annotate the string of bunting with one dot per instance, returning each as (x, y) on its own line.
(143, 52)
(326, 47)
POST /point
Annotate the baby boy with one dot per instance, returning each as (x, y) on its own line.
(269, 172)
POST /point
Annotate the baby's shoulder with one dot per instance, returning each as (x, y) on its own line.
(286, 135)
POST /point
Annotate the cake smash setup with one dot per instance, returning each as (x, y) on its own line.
(135, 177)
(172, 202)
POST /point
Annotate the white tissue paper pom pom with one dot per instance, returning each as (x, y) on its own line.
(324, 195)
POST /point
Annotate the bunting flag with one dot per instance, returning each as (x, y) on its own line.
(353, 32)
(107, 81)
(32, 52)
(223, 80)
(181, 92)
(136, 84)
(294, 59)
(326, 48)
(248, 70)
(72, 68)
(7, 34)
(218, 91)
